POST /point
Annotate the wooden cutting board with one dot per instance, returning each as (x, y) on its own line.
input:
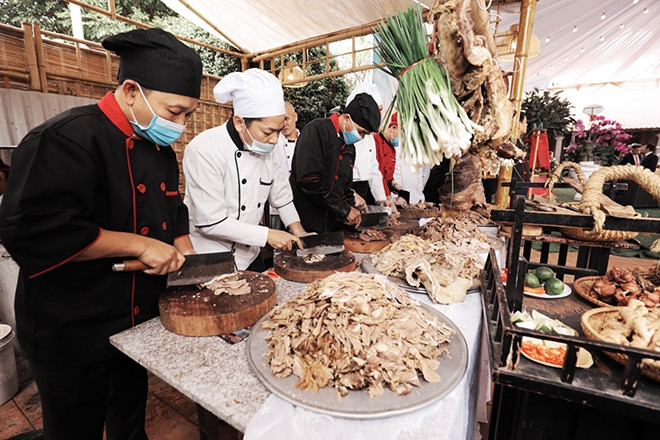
(293, 268)
(191, 311)
(353, 242)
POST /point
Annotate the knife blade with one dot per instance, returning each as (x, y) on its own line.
(375, 208)
(372, 220)
(329, 243)
(198, 268)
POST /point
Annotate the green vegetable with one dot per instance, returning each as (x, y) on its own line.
(544, 273)
(553, 286)
(433, 124)
(531, 280)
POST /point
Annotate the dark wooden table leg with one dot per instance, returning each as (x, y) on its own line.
(212, 428)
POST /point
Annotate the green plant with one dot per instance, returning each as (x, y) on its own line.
(604, 141)
(545, 110)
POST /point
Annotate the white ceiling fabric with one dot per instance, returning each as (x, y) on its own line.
(621, 72)
(569, 60)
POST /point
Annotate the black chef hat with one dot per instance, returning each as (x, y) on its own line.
(364, 112)
(157, 60)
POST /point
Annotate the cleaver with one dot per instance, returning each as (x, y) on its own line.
(330, 243)
(372, 220)
(198, 268)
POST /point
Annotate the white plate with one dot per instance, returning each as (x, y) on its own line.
(369, 267)
(358, 404)
(564, 293)
(4, 331)
(584, 358)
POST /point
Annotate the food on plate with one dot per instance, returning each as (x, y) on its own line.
(635, 325)
(544, 273)
(228, 283)
(445, 263)
(538, 321)
(544, 351)
(553, 286)
(620, 286)
(531, 280)
(355, 331)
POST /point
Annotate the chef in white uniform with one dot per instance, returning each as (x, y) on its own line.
(231, 171)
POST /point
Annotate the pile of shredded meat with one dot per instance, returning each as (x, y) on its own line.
(228, 283)
(458, 229)
(354, 331)
(372, 235)
(445, 268)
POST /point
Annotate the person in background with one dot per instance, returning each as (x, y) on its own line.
(367, 178)
(386, 143)
(232, 170)
(437, 178)
(650, 160)
(286, 146)
(321, 172)
(4, 175)
(91, 186)
(633, 157)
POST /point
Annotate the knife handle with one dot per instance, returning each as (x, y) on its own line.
(129, 266)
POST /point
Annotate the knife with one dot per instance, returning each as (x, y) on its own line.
(198, 268)
(374, 208)
(372, 219)
(330, 243)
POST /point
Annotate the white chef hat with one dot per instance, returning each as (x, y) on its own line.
(254, 93)
(368, 88)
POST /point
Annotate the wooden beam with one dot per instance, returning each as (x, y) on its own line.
(527, 11)
(31, 57)
(41, 62)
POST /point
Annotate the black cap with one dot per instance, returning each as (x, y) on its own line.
(364, 111)
(157, 61)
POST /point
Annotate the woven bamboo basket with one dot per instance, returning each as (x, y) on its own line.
(590, 202)
(593, 320)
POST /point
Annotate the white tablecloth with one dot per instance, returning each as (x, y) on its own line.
(452, 417)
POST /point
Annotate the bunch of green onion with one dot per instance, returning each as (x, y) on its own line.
(432, 123)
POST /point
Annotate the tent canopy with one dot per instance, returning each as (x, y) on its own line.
(622, 49)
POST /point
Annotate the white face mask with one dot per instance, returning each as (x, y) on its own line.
(256, 147)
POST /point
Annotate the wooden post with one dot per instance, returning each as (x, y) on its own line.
(31, 57)
(527, 11)
(41, 62)
(502, 192)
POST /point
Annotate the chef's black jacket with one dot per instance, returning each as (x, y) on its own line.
(74, 174)
(322, 175)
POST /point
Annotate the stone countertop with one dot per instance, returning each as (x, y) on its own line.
(190, 364)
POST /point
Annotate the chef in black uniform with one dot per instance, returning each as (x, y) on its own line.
(322, 167)
(88, 187)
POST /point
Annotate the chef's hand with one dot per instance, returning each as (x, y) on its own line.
(161, 257)
(353, 218)
(359, 202)
(282, 240)
(400, 201)
(389, 203)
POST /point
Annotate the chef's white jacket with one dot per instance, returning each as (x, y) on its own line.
(226, 189)
(285, 150)
(410, 178)
(365, 167)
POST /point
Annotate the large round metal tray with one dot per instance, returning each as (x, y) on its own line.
(358, 404)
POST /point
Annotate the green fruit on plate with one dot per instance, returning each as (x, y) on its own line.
(544, 273)
(531, 280)
(553, 286)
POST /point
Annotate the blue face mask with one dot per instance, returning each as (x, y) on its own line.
(160, 131)
(351, 137)
(394, 142)
(257, 147)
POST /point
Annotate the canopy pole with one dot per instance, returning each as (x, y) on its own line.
(527, 11)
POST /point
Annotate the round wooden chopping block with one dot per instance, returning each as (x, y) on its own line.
(419, 213)
(191, 311)
(353, 242)
(405, 226)
(293, 268)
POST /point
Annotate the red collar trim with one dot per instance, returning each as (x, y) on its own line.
(110, 107)
(335, 121)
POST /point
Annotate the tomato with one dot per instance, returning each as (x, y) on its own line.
(543, 353)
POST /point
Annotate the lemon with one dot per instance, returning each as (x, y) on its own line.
(553, 286)
(531, 280)
(544, 273)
